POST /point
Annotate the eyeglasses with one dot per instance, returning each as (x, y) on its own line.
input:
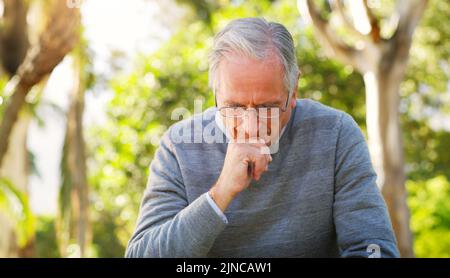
(266, 112)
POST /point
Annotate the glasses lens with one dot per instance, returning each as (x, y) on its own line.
(232, 112)
(262, 112)
(268, 112)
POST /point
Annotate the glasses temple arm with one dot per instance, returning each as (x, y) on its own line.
(287, 101)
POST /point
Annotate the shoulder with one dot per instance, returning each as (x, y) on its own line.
(313, 114)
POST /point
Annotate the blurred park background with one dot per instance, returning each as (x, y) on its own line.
(88, 87)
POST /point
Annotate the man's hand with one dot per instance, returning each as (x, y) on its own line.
(235, 175)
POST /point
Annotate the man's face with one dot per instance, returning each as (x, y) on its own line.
(246, 82)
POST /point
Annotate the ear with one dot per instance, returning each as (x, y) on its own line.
(294, 94)
(215, 97)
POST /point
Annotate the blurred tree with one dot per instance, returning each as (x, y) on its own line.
(13, 46)
(383, 63)
(73, 213)
(27, 58)
(56, 40)
(13, 35)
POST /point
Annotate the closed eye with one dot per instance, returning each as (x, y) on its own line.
(233, 105)
(267, 106)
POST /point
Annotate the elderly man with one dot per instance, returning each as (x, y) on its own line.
(292, 178)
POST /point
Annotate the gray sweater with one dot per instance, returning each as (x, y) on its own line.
(318, 198)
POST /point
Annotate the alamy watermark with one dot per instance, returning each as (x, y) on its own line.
(374, 251)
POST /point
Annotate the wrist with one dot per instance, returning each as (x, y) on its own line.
(221, 197)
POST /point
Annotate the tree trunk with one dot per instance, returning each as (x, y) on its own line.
(13, 48)
(386, 144)
(77, 167)
(15, 168)
(8, 242)
(76, 160)
(13, 35)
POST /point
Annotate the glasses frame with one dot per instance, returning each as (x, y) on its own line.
(247, 109)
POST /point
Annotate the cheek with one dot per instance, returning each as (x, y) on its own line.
(284, 119)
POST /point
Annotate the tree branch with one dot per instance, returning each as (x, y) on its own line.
(57, 39)
(338, 7)
(409, 13)
(334, 45)
(13, 35)
(375, 32)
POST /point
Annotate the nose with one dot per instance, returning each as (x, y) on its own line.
(250, 124)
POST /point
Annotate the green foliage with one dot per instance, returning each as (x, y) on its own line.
(15, 205)
(64, 219)
(426, 150)
(106, 243)
(68, 217)
(46, 243)
(429, 202)
(429, 67)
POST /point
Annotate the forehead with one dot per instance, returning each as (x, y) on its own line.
(247, 79)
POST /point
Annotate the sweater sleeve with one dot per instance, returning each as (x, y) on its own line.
(361, 219)
(167, 225)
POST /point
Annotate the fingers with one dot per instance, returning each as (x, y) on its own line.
(265, 151)
(260, 167)
(261, 163)
(257, 157)
(268, 159)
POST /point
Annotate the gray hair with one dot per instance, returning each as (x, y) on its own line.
(255, 37)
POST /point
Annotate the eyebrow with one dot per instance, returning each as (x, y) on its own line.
(272, 103)
(232, 103)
